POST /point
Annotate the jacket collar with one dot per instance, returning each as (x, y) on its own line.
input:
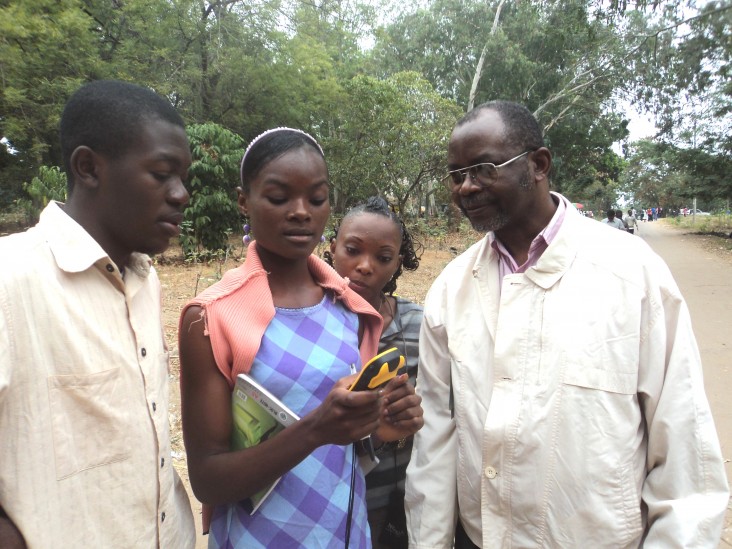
(561, 253)
(553, 263)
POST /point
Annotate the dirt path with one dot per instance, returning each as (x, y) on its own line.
(705, 280)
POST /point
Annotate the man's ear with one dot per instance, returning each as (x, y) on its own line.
(84, 164)
(332, 246)
(542, 159)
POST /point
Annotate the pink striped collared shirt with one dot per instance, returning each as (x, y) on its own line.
(506, 262)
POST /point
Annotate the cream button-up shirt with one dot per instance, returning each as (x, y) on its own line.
(85, 459)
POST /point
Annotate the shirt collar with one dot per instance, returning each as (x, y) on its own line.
(540, 242)
(74, 249)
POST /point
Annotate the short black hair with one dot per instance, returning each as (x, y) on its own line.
(377, 205)
(266, 148)
(522, 130)
(106, 116)
(611, 214)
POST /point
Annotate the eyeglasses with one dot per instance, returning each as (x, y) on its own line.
(485, 173)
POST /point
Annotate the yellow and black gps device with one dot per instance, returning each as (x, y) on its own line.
(379, 370)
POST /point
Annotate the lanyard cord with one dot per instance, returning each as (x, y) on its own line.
(405, 351)
(349, 516)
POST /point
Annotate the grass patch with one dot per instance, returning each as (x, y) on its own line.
(718, 225)
(714, 231)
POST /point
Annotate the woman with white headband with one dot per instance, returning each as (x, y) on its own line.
(289, 321)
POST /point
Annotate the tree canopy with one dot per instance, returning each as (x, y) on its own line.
(382, 83)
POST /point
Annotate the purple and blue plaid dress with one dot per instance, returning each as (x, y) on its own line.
(303, 353)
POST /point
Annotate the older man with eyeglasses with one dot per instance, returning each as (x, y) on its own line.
(562, 387)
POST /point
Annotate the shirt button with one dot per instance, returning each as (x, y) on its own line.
(154, 406)
(110, 268)
(143, 351)
(490, 472)
(162, 462)
(162, 517)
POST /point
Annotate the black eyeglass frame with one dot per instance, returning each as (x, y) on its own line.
(485, 173)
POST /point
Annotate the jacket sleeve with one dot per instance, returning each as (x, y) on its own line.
(6, 344)
(685, 489)
(431, 486)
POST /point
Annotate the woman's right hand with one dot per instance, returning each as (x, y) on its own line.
(345, 416)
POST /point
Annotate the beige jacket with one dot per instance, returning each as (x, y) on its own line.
(580, 418)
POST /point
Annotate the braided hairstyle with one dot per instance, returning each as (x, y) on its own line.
(377, 205)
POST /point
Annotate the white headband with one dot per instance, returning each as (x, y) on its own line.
(279, 129)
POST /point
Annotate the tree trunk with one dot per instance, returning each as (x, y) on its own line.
(481, 61)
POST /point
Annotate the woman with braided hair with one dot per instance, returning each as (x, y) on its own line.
(370, 249)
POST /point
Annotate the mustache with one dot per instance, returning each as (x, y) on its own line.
(474, 200)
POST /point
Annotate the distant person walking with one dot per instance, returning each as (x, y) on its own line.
(631, 223)
(612, 221)
(619, 216)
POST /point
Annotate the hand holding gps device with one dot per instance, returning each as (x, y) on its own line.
(379, 370)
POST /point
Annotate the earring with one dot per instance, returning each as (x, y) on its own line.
(247, 238)
(322, 238)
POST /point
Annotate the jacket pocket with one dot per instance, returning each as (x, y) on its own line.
(601, 379)
(88, 417)
(609, 364)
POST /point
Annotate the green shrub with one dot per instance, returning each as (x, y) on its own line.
(212, 213)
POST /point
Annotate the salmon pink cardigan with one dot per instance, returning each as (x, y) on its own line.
(237, 310)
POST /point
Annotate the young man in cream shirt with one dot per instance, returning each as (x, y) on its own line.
(85, 459)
